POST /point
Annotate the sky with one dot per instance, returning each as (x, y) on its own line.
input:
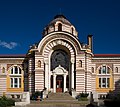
(22, 23)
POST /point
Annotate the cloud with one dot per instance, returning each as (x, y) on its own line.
(10, 45)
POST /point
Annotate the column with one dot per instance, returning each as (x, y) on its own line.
(46, 74)
(64, 82)
(72, 74)
(54, 83)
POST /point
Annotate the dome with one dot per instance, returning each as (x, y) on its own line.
(61, 18)
(60, 23)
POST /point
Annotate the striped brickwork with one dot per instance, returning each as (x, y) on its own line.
(3, 86)
(80, 73)
(39, 72)
(31, 75)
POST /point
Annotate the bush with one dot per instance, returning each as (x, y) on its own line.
(82, 97)
(5, 102)
(35, 95)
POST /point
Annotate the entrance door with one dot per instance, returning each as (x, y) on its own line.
(59, 83)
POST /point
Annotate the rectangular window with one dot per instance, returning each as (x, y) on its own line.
(104, 82)
(15, 82)
(108, 82)
(19, 82)
(11, 81)
(100, 82)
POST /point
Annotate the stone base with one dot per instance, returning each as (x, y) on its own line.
(21, 103)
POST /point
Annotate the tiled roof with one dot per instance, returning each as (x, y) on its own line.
(106, 55)
(12, 55)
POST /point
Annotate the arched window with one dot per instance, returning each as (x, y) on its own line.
(104, 81)
(15, 77)
(92, 69)
(116, 69)
(80, 63)
(59, 27)
(39, 64)
(15, 70)
(3, 70)
(104, 69)
(60, 57)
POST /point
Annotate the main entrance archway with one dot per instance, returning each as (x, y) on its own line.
(60, 56)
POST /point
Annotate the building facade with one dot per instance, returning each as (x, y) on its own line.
(60, 63)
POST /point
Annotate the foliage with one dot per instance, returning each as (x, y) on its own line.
(35, 95)
(5, 102)
(82, 96)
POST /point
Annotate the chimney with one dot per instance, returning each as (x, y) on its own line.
(90, 42)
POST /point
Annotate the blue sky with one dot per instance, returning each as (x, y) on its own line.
(22, 22)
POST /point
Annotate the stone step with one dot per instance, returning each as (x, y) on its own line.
(60, 96)
(57, 104)
(58, 100)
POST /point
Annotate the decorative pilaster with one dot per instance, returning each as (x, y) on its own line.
(46, 74)
(72, 73)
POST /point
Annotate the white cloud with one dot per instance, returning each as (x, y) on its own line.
(10, 45)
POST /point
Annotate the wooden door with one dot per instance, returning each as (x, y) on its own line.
(59, 83)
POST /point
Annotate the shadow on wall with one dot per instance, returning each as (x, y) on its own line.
(113, 97)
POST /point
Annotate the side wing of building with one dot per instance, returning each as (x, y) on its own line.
(105, 69)
(13, 75)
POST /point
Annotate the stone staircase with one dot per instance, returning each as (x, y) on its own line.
(59, 97)
(58, 100)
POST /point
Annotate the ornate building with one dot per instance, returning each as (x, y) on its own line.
(60, 63)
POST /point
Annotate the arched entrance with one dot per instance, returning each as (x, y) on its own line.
(59, 83)
(62, 54)
(60, 67)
